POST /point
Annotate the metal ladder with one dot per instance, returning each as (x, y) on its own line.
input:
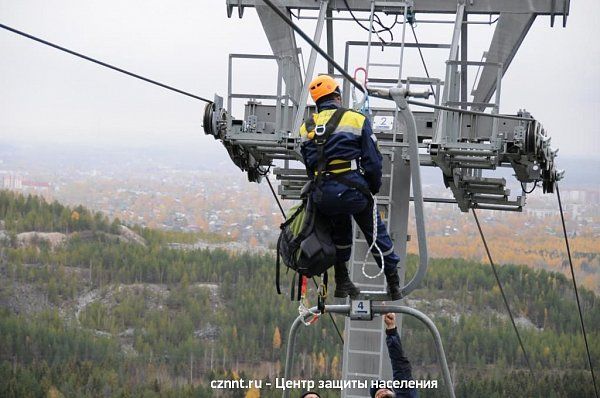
(365, 354)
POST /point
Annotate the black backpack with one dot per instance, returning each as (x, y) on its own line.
(305, 244)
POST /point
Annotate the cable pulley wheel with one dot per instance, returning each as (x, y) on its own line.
(530, 140)
(207, 120)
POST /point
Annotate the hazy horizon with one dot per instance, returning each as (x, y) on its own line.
(54, 98)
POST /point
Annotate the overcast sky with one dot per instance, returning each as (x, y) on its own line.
(51, 97)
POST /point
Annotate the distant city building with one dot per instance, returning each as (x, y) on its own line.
(583, 196)
(541, 213)
(16, 182)
(36, 186)
(12, 182)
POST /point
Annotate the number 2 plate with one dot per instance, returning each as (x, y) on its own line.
(385, 123)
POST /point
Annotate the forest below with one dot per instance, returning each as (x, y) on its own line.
(103, 315)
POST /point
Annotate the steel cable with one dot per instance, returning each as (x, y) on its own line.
(101, 63)
(56, 46)
(512, 319)
(587, 348)
(422, 59)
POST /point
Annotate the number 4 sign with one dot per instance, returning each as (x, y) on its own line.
(361, 310)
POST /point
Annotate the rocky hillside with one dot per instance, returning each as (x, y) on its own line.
(102, 312)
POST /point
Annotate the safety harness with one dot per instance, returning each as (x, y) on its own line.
(335, 169)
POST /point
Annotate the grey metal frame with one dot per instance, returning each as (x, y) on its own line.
(376, 309)
(310, 69)
(355, 43)
(278, 97)
(460, 141)
(540, 7)
(452, 132)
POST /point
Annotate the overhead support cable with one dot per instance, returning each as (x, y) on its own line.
(587, 348)
(512, 319)
(275, 196)
(422, 59)
(106, 65)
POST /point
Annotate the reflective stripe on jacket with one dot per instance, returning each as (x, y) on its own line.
(352, 139)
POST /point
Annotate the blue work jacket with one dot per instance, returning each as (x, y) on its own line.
(401, 368)
(353, 139)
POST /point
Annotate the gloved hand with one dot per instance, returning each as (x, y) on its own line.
(374, 188)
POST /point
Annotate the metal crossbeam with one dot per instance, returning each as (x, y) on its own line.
(510, 31)
(539, 7)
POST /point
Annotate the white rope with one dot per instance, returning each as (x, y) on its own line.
(373, 244)
(308, 317)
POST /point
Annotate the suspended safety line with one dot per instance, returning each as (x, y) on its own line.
(56, 46)
(512, 319)
(587, 348)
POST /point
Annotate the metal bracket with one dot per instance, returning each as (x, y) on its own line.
(345, 309)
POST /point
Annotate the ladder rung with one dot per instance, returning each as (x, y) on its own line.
(387, 65)
(374, 296)
(352, 329)
(365, 286)
(363, 352)
(365, 263)
(363, 374)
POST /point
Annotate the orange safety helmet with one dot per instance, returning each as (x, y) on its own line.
(323, 85)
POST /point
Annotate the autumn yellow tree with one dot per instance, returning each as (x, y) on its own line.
(253, 393)
(335, 364)
(322, 363)
(276, 339)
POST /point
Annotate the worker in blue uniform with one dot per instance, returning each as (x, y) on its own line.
(401, 368)
(352, 173)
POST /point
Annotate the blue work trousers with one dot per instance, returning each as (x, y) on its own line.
(340, 203)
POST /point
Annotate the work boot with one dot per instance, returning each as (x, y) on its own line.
(393, 285)
(343, 284)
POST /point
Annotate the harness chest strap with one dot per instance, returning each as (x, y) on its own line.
(339, 166)
(322, 134)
